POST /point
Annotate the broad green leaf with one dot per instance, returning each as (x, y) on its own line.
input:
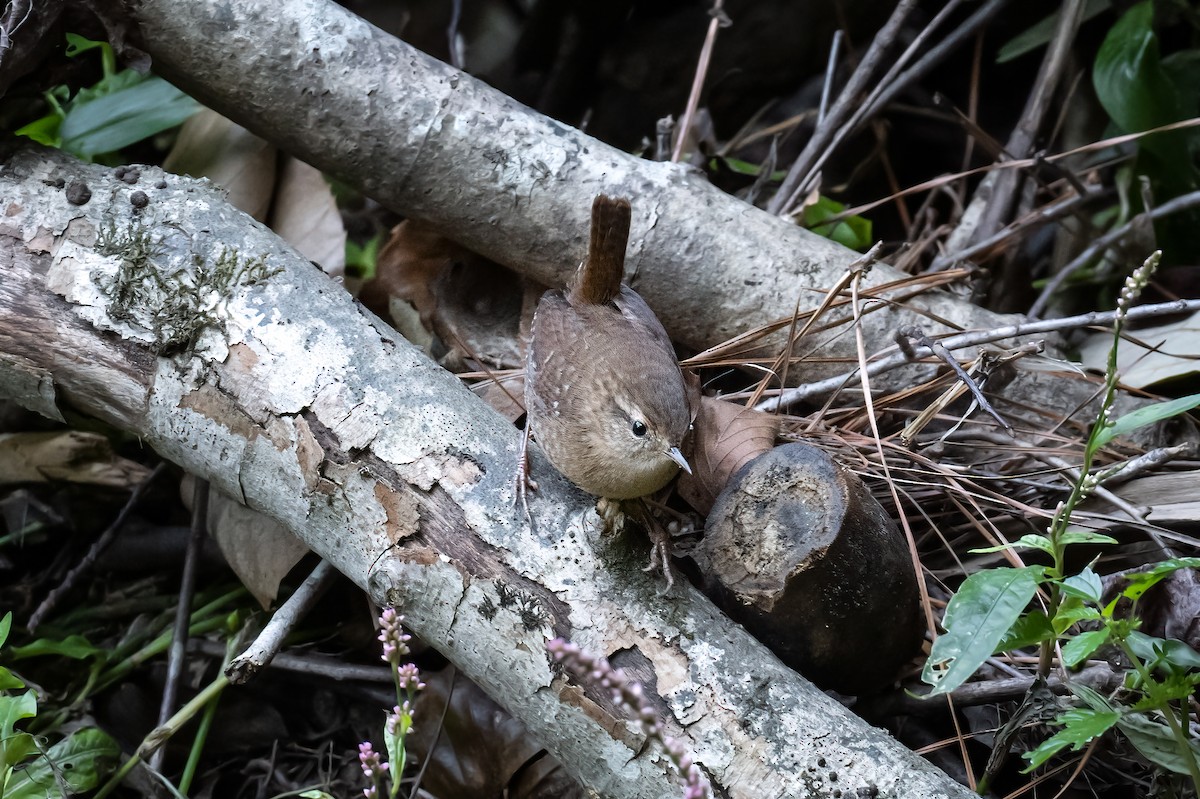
(985, 608)
(1148, 414)
(1080, 535)
(1040, 33)
(81, 760)
(1170, 651)
(316, 794)
(44, 130)
(853, 231)
(1133, 87)
(1030, 541)
(1030, 629)
(123, 117)
(5, 627)
(1081, 725)
(1079, 648)
(1141, 582)
(15, 746)
(1072, 614)
(1157, 744)
(1085, 585)
(9, 681)
(73, 646)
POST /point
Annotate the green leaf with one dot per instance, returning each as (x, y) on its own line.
(5, 627)
(43, 131)
(75, 647)
(1080, 535)
(1166, 651)
(77, 44)
(1141, 582)
(1040, 33)
(985, 608)
(1081, 725)
(1085, 585)
(81, 760)
(1030, 629)
(15, 746)
(1157, 744)
(1083, 645)
(120, 118)
(1148, 414)
(9, 681)
(316, 794)
(1135, 90)
(1072, 614)
(853, 231)
(1030, 541)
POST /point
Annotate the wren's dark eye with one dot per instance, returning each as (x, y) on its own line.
(638, 427)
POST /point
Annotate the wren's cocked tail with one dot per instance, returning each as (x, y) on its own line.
(605, 397)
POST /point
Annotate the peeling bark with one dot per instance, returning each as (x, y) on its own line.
(440, 146)
(293, 399)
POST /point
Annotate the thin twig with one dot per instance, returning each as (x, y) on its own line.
(177, 653)
(891, 357)
(952, 41)
(308, 663)
(1032, 221)
(997, 194)
(1181, 203)
(1020, 163)
(801, 168)
(911, 336)
(718, 21)
(89, 560)
(1124, 472)
(859, 114)
(835, 50)
(268, 642)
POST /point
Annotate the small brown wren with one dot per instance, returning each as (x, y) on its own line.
(604, 393)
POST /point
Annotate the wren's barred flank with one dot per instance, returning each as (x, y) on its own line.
(605, 396)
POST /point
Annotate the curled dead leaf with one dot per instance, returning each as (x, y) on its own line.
(726, 437)
(473, 305)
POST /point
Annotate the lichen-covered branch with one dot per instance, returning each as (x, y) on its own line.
(436, 144)
(288, 396)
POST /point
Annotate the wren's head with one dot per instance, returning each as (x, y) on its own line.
(636, 445)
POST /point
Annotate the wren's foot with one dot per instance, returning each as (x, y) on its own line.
(612, 516)
(661, 544)
(523, 481)
(660, 553)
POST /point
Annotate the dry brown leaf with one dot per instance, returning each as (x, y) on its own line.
(726, 437)
(305, 215)
(213, 147)
(1171, 350)
(1171, 497)
(70, 456)
(407, 266)
(506, 398)
(258, 549)
(480, 749)
(473, 305)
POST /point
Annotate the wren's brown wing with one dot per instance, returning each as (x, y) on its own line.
(553, 348)
(634, 308)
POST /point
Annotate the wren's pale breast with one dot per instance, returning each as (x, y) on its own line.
(605, 395)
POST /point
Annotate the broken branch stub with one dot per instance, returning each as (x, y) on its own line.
(799, 552)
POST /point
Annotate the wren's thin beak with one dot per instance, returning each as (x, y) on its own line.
(677, 456)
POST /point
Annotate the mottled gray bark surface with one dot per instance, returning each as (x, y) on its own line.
(191, 326)
(438, 145)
